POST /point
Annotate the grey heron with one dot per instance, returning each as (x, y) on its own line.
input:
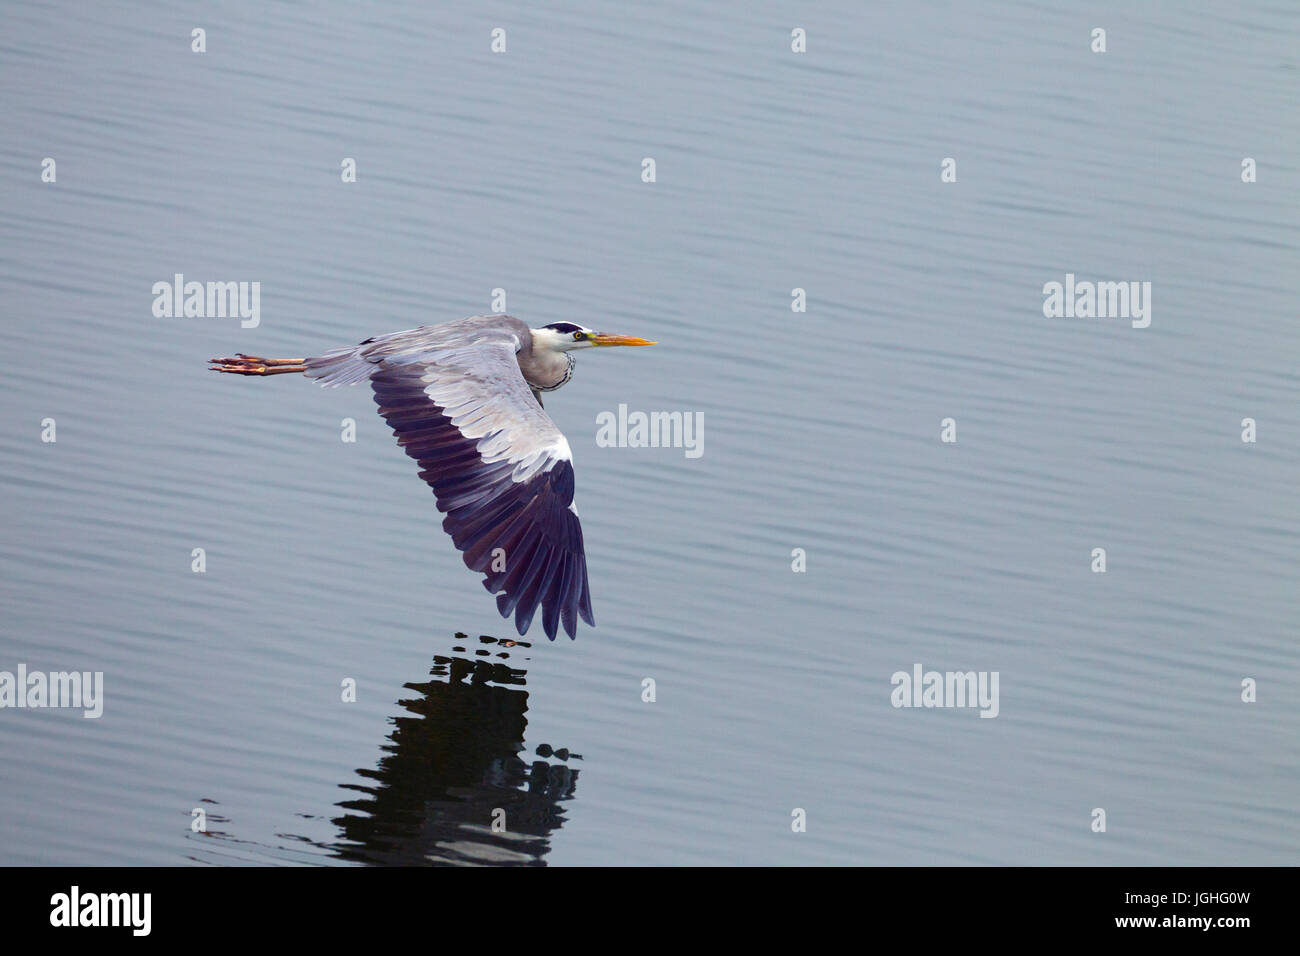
(464, 399)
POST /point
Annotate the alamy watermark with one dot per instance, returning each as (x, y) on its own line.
(210, 300)
(74, 689)
(651, 430)
(1098, 300)
(129, 910)
(922, 688)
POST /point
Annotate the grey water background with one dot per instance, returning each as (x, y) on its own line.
(326, 561)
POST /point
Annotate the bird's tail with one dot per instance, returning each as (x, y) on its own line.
(243, 364)
(342, 366)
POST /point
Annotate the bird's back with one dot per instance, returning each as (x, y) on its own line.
(356, 363)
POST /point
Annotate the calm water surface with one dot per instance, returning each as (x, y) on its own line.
(775, 171)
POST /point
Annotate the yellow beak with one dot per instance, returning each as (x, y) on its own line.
(603, 339)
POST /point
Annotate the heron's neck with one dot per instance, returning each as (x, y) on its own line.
(546, 371)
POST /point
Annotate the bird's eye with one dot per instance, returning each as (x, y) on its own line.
(579, 336)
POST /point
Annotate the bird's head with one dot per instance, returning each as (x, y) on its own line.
(566, 337)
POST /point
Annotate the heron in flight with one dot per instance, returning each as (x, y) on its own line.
(465, 401)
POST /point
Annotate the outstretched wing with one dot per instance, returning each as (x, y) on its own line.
(500, 469)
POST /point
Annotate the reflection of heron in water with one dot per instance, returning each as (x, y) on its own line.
(453, 786)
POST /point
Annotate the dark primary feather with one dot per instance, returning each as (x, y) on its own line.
(486, 509)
